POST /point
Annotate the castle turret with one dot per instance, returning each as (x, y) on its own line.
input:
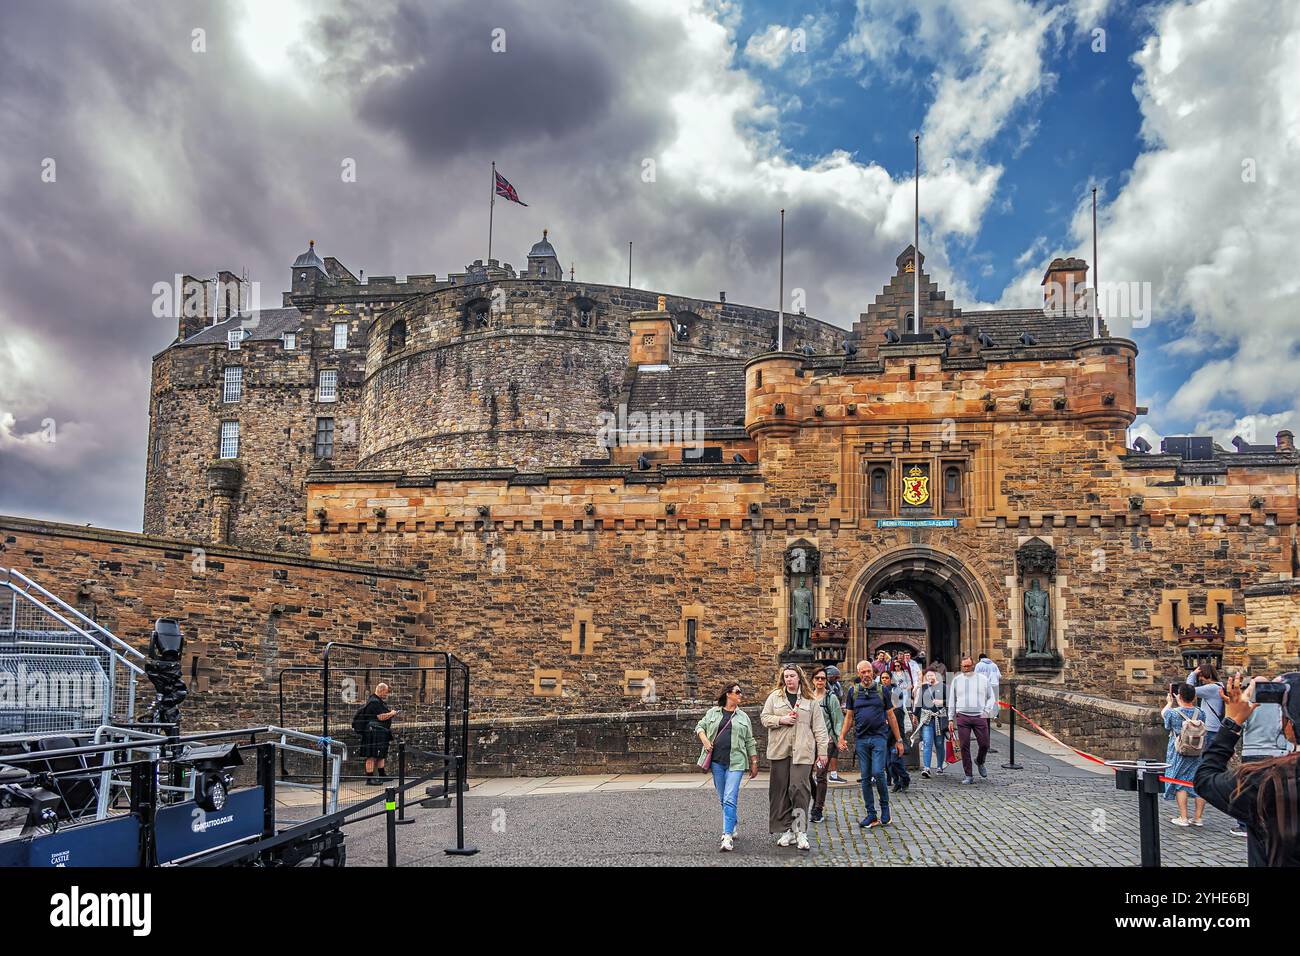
(543, 263)
(308, 276)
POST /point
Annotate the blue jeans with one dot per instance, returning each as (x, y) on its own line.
(871, 765)
(727, 783)
(927, 745)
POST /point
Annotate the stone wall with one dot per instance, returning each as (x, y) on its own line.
(1272, 635)
(245, 614)
(1109, 729)
(277, 415)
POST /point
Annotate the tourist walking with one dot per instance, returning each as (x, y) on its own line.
(913, 669)
(1185, 722)
(881, 663)
(729, 749)
(1264, 794)
(796, 742)
(932, 723)
(833, 714)
(373, 722)
(835, 687)
(989, 668)
(896, 774)
(970, 703)
(873, 720)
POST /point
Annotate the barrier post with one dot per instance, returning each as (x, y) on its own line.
(401, 783)
(390, 823)
(460, 849)
(1149, 789)
(1011, 758)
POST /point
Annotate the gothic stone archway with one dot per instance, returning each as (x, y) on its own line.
(955, 604)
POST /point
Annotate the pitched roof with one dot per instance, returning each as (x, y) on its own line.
(266, 324)
(718, 391)
(896, 616)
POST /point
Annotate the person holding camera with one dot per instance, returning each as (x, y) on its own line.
(1263, 794)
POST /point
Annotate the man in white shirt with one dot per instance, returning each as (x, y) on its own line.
(915, 670)
(970, 702)
(990, 669)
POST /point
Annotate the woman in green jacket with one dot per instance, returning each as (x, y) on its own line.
(727, 738)
(833, 714)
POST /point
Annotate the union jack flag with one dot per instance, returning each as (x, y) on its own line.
(506, 191)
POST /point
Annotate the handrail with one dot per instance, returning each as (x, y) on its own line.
(12, 573)
(139, 671)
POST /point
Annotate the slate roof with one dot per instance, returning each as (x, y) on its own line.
(716, 390)
(1005, 325)
(266, 324)
(896, 616)
(310, 259)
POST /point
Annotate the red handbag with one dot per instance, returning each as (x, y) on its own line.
(950, 752)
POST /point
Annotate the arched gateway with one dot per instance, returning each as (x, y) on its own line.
(955, 604)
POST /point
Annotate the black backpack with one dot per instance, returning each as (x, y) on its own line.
(361, 720)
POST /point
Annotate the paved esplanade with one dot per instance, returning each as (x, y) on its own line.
(1055, 812)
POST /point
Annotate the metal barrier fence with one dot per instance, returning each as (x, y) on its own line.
(429, 735)
(59, 670)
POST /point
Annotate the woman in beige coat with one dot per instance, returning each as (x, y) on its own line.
(796, 742)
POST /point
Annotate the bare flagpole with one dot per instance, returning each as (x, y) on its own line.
(491, 207)
(629, 264)
(1096, 302)
(916, 246)
(780, 314)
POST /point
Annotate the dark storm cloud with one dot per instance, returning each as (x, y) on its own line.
(170, 161)
(478, 75)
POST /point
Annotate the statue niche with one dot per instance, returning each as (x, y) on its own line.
(1036, 571)
(802, 565)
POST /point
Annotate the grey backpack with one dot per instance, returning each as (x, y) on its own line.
(1191, 737)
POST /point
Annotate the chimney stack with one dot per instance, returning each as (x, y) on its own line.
(1065, 287)
(1285, 440)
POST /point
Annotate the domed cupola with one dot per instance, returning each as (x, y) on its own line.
(543, 263)
(309, 259)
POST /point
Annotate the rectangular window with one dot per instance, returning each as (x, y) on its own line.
(157, 450)
(340, 335)
(290, 341)
(230, 439)
(690, 638)
(324, 438)
(329, 385)
(233, 388)
(233, 338)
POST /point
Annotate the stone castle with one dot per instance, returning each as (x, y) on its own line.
(587, 491)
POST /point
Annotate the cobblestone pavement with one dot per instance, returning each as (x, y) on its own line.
(1048, 814)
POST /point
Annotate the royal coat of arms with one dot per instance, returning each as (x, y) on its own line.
(916, 487)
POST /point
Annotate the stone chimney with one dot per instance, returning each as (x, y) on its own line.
(1065, 287)
(651, 337)
(194, 308)
(1285, 440)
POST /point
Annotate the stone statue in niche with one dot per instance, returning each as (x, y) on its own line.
(1038, 620)
(801, 607)
(802, 563)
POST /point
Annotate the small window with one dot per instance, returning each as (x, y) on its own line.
(340, 335)
(233, 387)
(397, 336)
(157, 450)
(324, 438)
(952, 488)
(878, 490)
(329, 385)
(290, 341)
(229, 440)
(233, 338)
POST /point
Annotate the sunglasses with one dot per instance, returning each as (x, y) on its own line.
(735, 690)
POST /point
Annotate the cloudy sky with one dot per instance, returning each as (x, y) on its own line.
(133, 147)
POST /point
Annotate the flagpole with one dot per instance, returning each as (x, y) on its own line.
(780, 303)
(916, 247)
(492, 202)
(1096, 313)
(629, 265)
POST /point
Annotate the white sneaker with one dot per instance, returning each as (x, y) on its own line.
(1180, 822)
(727, 846)
(786, 839)
(802, 842)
